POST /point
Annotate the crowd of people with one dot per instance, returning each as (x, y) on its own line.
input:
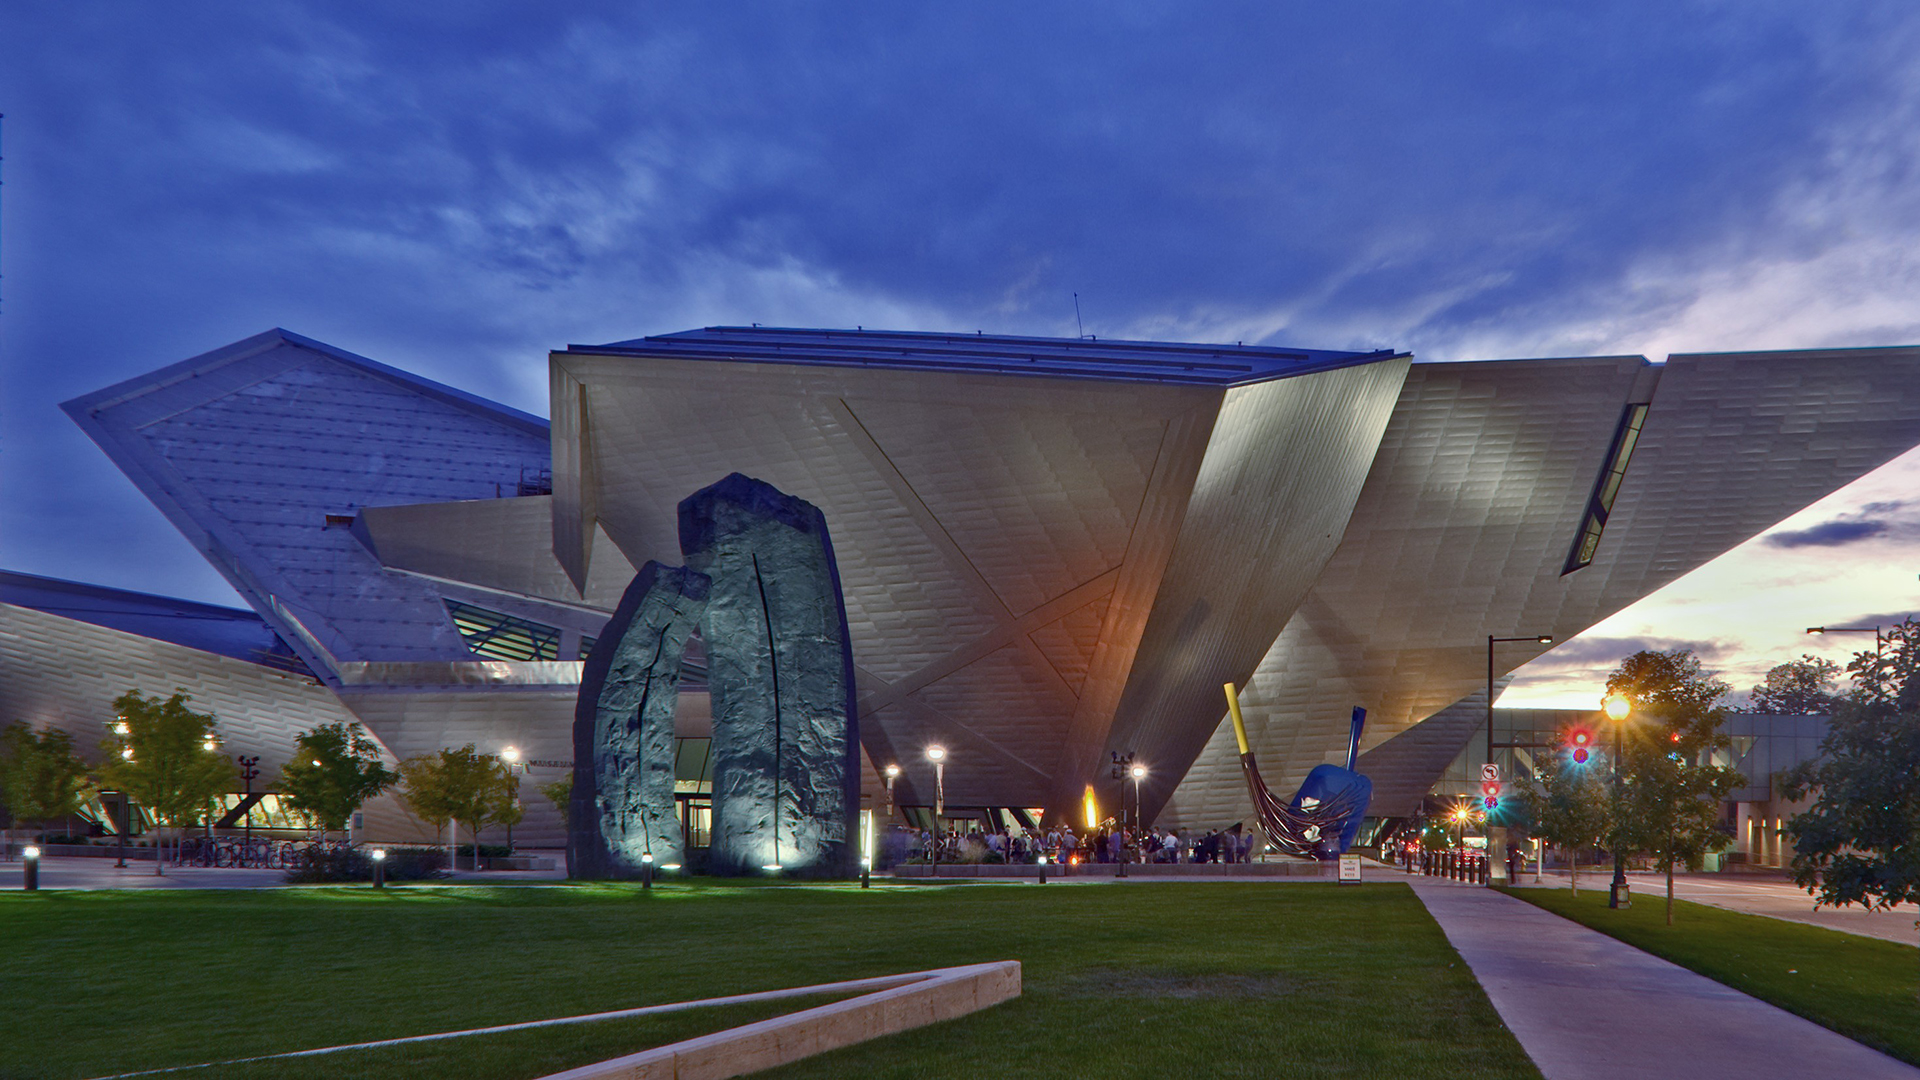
(1108, 842)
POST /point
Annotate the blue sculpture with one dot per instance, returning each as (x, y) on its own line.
(1326, 813)
(622, 809)
(786, 746)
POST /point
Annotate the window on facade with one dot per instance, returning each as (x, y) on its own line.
(1608, 486)
(499, 636)
(587, 642)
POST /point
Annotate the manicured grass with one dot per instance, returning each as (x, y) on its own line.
(1194, 979)
(1861, 987)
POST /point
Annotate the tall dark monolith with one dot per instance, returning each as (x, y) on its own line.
(786, 745)
(623, 749)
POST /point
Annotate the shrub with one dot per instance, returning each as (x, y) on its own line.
(314, 864)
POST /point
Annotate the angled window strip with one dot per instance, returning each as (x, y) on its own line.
(498, 636)
(1605, 489)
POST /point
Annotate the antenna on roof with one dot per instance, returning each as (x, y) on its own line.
(1077, 324)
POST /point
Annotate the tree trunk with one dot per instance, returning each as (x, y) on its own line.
(1669, 886)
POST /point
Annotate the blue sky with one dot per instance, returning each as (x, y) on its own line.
(457, 189)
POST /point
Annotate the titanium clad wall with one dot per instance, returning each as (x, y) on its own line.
(980, 524)
(1476, 496)
(1283, 467)
(62, 673)
(498, 545)
(249, 448)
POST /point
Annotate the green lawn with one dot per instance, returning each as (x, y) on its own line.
(1199, 979)
(1860, 987)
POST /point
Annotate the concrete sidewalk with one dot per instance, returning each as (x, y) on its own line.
(1587, 1007)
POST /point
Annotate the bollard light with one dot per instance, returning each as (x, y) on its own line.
(31, 877)
(379, 868)
(1043, 869)
(866, 869)
(646, 871)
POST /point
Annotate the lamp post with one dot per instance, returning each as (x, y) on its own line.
(1618, 708)
(511, 755)
(893, 773)
(1879, 642)
(249, 772)
(938, 755)
(1543, 639)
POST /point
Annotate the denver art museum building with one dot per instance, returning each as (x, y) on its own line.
(1052, 551)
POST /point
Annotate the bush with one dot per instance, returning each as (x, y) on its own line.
(315, 864)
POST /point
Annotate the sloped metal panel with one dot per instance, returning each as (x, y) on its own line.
(249, 449)
(1283, 468)
(500, 545)
(1480, 485)
(968, 513)
(63, 673)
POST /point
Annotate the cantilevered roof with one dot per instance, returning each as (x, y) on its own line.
(993, 354)
(223, 631)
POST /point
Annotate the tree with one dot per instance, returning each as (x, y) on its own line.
(1671, 797)
(1568, 804)
(166, 757)
(458, 785)
(1802, 687)
(40, 778)
(1859, 843)
(560, 794)
(334, 769)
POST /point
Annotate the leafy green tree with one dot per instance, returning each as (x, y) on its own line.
(334, 769)
(40, 778)
(1672, 794)
(1802, 687)
(1568, 804)
(166, 757)
(455, 786)
(560, 794)
(1859, 843)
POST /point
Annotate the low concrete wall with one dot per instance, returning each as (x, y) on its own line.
(1292, 868)
(925, 998)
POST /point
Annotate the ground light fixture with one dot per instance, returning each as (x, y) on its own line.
(379, 868)
(30, 879)
(1618, 709)
(646, 871)
(1043, 869)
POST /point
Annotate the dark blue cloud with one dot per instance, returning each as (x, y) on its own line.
(456, 190)
(1837, 533)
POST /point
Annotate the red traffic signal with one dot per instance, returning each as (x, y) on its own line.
(1580, 741)
(1490, 789)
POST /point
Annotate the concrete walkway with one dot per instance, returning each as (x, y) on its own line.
(1587, 1007)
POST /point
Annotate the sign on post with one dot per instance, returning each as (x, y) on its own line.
(1490, 773)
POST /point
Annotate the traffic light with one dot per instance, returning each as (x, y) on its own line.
(1580, 741)
(1490, 795)
(1492, 803)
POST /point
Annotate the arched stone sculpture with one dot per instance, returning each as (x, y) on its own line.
(623, 750)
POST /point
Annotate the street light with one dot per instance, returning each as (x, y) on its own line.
(938, 755)
(511, 755)
(893, 773)
(1618, 708)
(1543, 639)
(1139, 773)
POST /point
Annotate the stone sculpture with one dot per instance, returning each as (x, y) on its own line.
(780, 669)
(622, 807)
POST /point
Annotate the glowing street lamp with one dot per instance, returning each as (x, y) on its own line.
(1139, 773)
(938, 755)
(511, 756)
(893, 773)
(1618, 709)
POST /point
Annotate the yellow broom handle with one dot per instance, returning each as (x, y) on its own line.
(1239, 725)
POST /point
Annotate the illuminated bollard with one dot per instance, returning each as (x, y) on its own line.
(646, 871)
(379, 868)
(31, 865)
(1043, 869)
(866, 868)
